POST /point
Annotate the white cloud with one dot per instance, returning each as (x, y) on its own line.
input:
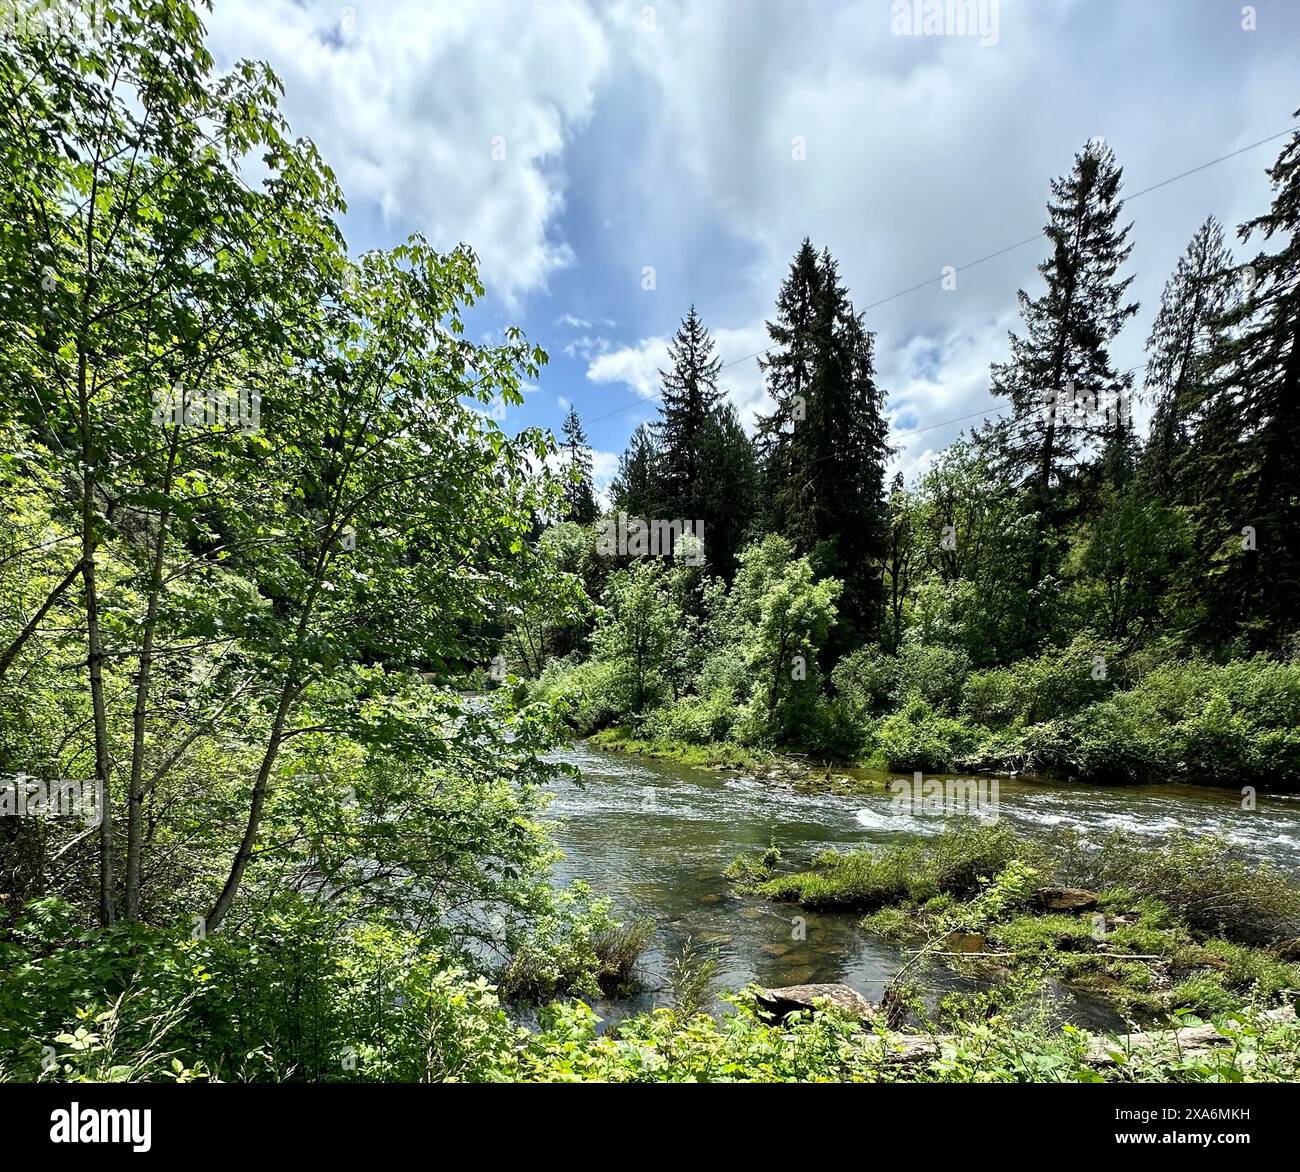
(638, 366)
(406, 108)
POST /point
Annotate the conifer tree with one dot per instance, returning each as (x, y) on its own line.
(690, 395)
(579, 490)
(1187, 328)
(826, 440)
(1246, 447)
(1067, 397)
(635, 489)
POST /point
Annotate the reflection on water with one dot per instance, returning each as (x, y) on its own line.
(656, 837)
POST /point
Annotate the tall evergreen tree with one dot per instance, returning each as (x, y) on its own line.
(579, 490)
(1188, 327)
(1062, 360)
(729, 487)
(635, 489)
(686, 414)
(1247, 439)
(825, 443)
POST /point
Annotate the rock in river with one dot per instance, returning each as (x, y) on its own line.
(792, 998)
(1067, 899)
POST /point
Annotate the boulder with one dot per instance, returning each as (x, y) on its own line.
(1067, 899)
(791, 998)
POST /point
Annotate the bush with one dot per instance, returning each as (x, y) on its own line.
(1234, 724)
(585, 692)
(1057, 683)
(920, 738)
(1202, 881)
(693, 719)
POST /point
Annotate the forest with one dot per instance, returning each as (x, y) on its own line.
(296, 639)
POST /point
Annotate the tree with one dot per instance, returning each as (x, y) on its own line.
(1187, 328)
(117, 149)
(636, 632)
(1246, 442)
(783, 615)
(635, 489)
(579, 491)
(825, 443)
(1063, 389)
(729, 487)
(689, 399)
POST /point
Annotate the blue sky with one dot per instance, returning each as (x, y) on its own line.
(706, 139)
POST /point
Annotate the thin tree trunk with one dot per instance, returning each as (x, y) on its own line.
(94, 649)
(134, 795)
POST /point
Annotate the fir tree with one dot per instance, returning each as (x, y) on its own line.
(690, 395)
(635, 489)
(1187, 328)
(825, 442)
(1065, 393)
(579, 489)
(1246, 447)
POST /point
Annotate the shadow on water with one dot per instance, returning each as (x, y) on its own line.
(656, 837)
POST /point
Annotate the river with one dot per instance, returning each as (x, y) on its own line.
(656, 837)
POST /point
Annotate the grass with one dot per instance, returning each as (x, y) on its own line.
(721, 753)
(861, 880)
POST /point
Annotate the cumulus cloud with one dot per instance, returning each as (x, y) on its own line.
(637, 367)
(450, 119)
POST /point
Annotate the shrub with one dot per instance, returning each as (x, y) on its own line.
(585, 692)
(1203, 881)
(920, 738)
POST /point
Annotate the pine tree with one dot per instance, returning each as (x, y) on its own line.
(1187, 328)
(579, 489)
(1246, 446)
(635, 489)
(729, 486)
(690, 395)
(788, 371)
(825, 443)
(1065, 393)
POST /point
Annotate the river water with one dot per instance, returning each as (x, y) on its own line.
(656, 837)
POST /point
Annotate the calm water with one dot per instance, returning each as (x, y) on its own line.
(656, 837)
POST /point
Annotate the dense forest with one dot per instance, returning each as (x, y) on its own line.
(292, 630)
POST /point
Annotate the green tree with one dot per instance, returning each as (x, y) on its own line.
(1246, 446)
(824, 444)
(782, 616)
(1063, 360)
(579, 490)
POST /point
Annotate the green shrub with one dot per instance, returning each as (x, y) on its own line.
(585, 692)
(920, 738)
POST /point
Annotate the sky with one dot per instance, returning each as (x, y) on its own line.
(613, 162)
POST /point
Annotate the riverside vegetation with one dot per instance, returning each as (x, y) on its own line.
(315, 845)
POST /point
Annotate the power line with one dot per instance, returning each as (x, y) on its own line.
(972, 264)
